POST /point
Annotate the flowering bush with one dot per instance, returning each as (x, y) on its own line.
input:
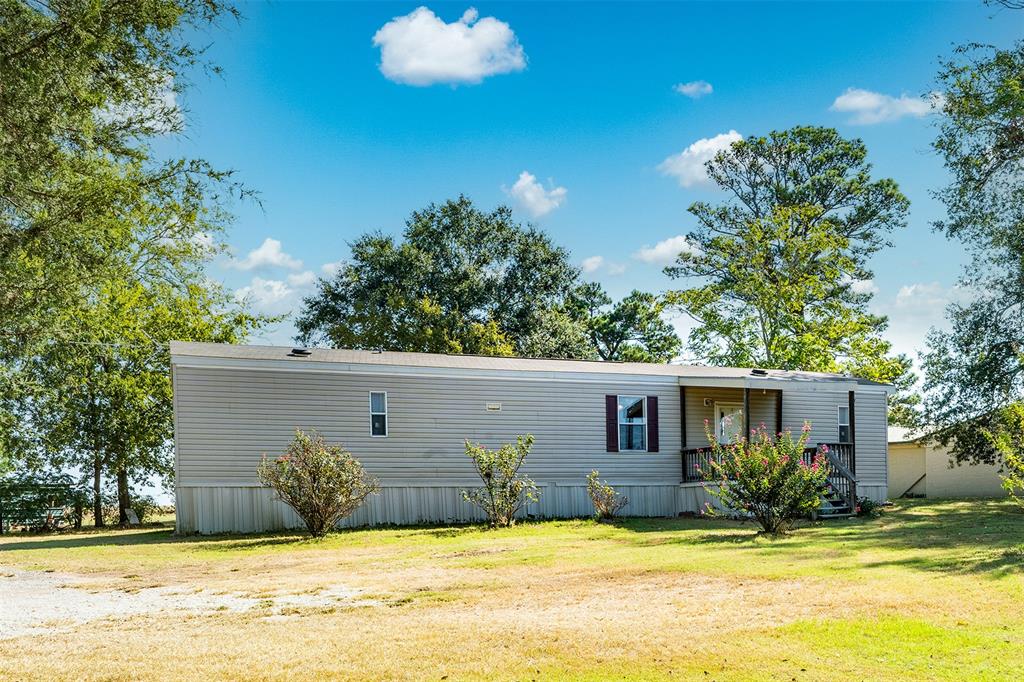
(504, 491)
(607, 502)
(767, 477)
(322, 483)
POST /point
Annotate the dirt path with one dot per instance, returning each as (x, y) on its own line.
(33, 602)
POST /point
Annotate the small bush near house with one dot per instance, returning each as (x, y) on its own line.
(766, 477)
(505, 491)
(322, 483)
(868, 507)
(607, 502)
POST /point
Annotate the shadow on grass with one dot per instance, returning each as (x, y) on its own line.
(978, 536)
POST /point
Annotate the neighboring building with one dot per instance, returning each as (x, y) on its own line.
(920, 467)
(405, 416)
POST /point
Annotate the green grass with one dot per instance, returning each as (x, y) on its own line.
(930, 590)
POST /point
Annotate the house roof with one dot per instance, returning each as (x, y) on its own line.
(902, 434)
(180, 349)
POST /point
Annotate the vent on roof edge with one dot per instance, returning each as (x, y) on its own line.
(300, 353)
(759, 372)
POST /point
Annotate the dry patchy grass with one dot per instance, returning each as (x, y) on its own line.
(929, 591)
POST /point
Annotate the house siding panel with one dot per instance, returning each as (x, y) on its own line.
(228, 418)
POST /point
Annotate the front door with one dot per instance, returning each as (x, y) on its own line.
(728, 421)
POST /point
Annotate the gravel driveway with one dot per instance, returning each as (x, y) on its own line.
(33, 602)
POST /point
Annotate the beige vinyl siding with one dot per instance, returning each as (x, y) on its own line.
(228, 418)
(871, 433)
(762, 410)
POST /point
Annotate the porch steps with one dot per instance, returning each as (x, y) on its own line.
(834, 506)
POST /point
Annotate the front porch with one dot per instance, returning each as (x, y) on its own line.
(703, 409)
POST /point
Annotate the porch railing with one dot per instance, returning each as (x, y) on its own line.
(840, 456)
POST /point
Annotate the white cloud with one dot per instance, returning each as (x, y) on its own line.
(270, 296)
(595, 263)
(302, 279)
(688, 165)
(331, 269)
(665, 251)
(914, 310)
(694, 89)
(864, 286)
(267, 255)
(532, 196)
(870, 107)
(275, 296)
(421, 49)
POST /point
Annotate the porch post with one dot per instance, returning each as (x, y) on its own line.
(778, 413)
(853, 433)
(682, 416)
(746, 413)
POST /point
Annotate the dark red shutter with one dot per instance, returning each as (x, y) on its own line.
(652, 423)
(611, 423)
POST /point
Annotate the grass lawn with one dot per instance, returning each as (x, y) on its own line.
(929, 591)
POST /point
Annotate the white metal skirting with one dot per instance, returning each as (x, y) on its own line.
(228, 509)
(237, 509)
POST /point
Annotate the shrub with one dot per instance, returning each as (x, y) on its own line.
(322, 483)
(767, 478)
(1013, 476)
(504, 491)
(868, 507)
(145, 507)
(607, 502)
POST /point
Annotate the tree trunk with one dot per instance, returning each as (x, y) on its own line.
(97, 494)
(124, 502)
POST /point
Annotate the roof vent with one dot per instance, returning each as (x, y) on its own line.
(759, 372)
(300, 353)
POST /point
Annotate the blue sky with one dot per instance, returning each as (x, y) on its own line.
(341, 135)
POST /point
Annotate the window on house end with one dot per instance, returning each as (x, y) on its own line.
(378, 414)
(844, 424)
(632, 422)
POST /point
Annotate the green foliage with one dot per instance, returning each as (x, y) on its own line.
(868, 507)
(459, 281)
(504, 489)
(632, 330)
(83, 85)
(607, 502)
(766, 477)
(145, 507)
(465, 281)
(102, 245)
(322, 483)
(974, 372)
(999, 434)
(777, 266)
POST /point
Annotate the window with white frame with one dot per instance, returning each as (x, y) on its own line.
(632, 422)
(378, 413)
(844, 424)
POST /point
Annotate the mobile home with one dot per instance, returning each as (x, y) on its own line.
(406, 416)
